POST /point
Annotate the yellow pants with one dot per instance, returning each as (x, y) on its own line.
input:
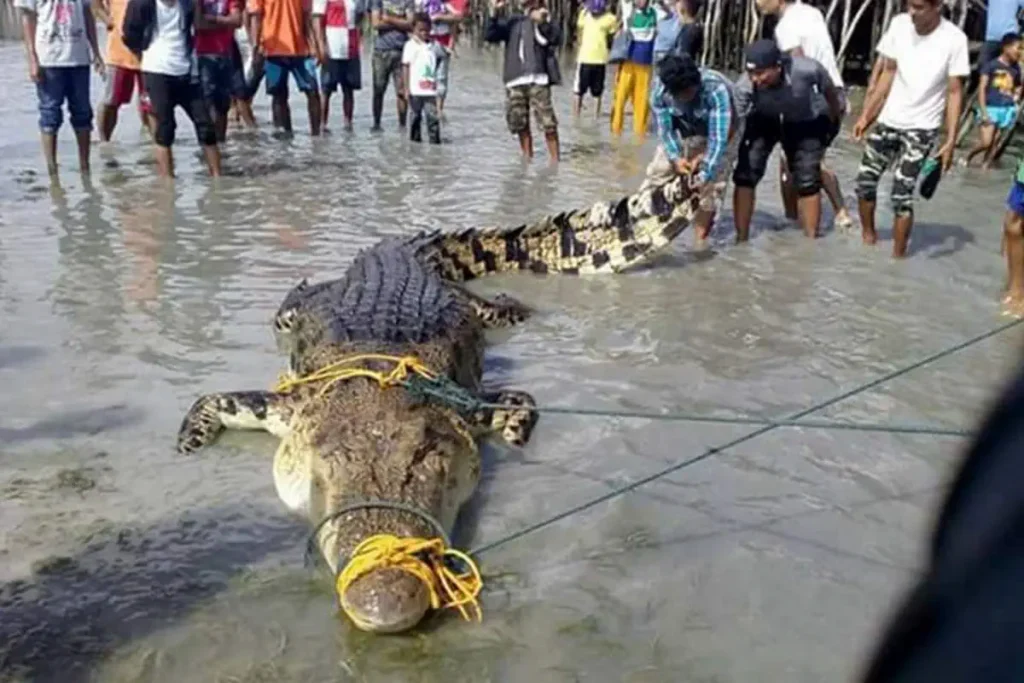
(633, 83)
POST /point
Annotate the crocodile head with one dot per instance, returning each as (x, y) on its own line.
(397, 452)
(286, 318)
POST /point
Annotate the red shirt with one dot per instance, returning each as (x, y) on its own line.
(216, 41)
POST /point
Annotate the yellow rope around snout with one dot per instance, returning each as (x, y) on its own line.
(342, 370)
(424, 559)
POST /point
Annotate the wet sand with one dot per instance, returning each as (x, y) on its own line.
(775, 560)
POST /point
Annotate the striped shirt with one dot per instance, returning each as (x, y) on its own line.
(709, 113)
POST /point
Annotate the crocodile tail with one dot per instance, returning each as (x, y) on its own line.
(607, 237)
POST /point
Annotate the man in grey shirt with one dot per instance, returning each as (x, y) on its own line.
(392, 20)
(789, 100)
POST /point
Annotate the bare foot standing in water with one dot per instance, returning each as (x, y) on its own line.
(59, 35)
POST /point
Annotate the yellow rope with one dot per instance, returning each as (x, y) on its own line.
(424, 559)
(342, 370)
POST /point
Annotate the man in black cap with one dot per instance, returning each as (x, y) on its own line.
(697, 121)
(789, 100)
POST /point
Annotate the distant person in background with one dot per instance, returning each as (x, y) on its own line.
(529, 70)
(999, 91)
(124, 74)
(161, 32)
(58, 37)
(420, 59)
(443, 20)
(801, 31)
(633, 83)
(338, 23)
(596, 26)
(679, 32)
(1000, 19)
(924, 62)
(392, 20)
(285, 42)
(219, 78)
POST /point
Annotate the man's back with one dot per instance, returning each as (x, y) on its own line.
(283, 26)
(804, 26)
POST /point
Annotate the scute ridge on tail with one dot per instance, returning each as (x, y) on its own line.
(607, 237)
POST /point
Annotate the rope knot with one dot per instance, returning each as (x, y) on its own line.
(429, 560)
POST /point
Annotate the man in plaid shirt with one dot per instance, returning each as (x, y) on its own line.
(697, 131)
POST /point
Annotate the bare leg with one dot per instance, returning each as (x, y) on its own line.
(577, 105)
(84, 140)
(1013, 235)
(164, 161)
(108, 121)
(526, 144)
(313, 105)
(50, 152)
(901, 227)
(789, 198)
(830, 183)
(552, 140)
(348, 103)
(597, 107)
(282, 112)
(325, 109)
(986, 136)
(244, 109)
(743, 211)
(810, 214)
(867, 221)
(212, 154)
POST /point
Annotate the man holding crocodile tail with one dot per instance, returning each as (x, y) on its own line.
(697, 130)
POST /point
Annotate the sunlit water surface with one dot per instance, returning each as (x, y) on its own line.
(777, 560)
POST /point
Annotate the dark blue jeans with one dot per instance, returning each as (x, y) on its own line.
(57, 84)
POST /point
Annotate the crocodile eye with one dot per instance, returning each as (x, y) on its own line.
(284, 320)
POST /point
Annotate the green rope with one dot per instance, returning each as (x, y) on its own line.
(683, 464)
(460, 398)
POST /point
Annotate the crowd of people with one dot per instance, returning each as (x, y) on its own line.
(791, 93)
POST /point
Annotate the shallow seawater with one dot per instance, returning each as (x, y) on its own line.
(776, 560)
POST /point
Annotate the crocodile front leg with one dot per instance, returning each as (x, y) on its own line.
(515, 420)
(213, 413)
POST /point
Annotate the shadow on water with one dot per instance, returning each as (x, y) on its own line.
(19, 355)
(73, 423)
(125, 584)
(938, 240)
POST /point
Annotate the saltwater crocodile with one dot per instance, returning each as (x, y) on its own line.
(345, 443)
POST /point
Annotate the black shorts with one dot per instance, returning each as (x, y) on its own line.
(341, 73)
(167, 92)
(220, 81)
(589, 77)
(802, 142)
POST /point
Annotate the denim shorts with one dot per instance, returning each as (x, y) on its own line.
(58, 84)
(1002, 117)
(302, 69)
(1015, 200)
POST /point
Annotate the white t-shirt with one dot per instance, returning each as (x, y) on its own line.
(422, 60)
(804, 26)
(924, 65)
(168, 51)
(60, 31)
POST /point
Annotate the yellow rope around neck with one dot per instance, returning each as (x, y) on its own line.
(342, 370)
(424, 559)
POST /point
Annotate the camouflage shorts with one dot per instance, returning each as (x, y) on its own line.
(904, 150)
(521, 99)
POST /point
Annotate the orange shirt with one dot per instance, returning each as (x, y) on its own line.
(117, 53)
(283, 32)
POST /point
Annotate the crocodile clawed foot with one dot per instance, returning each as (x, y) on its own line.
(213, 413)
(515, 421)
(202, 424)
(501, 311)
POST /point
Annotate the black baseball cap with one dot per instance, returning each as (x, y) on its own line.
(762, 54)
